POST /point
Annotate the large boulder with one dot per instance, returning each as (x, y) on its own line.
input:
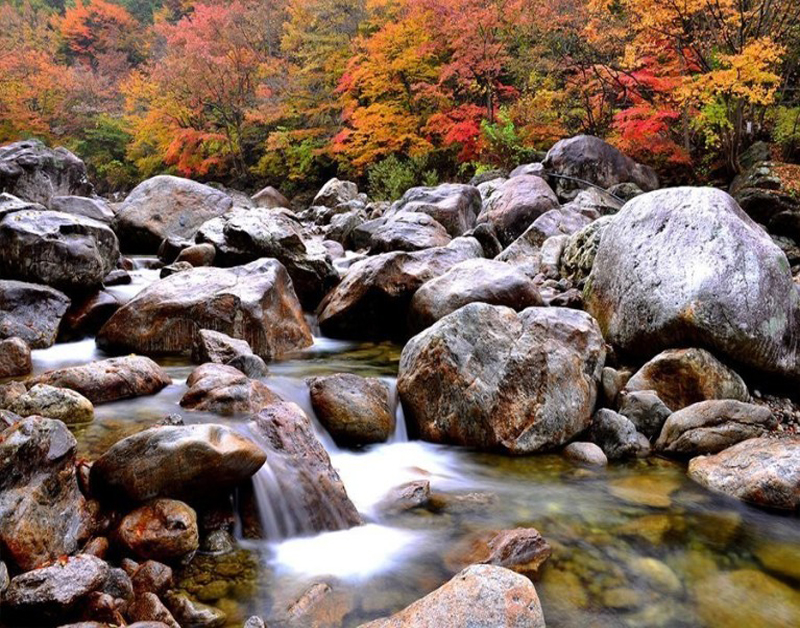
(33, 172)
(166, 206)
(355, 410)
(43, 515)
(304, 491)
(591, 159)
(514, 206)
(15, 358)
(67, 252)
(763, 471)
(474, 280)
(181, 462)
(481, 596)
(408, 231)
(270, 198)
(489, 377)
(255, 302)
(110, 380)
(62, 404)
(336, 192)
(765, 191)
(580, 250)
(94, 208)
(31, 312)
(708, 427)
(681, 377)
(373, 299)
(245, 235)
(455, 206)
(732, 293)
(225, 390)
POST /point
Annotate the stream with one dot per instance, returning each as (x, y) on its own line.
(637, 544)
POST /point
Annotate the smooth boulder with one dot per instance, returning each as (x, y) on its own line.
(31, 312)
(62, 404)
(225, 390)
(95, 208)
(15, 358)
(163, 530)
(453, 205)
(255, 302)
(489, 377)
(516, 204)
(408, 231)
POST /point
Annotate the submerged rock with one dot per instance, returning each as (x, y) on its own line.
(182, 462)
(489, 377)
(481, 596)
(255, 302)
(31, 312)
(523, 550)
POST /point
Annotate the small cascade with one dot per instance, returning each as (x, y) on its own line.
(400, 428)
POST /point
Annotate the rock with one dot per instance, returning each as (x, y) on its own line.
(586, 453)
(320, 606)
(254, 622)
(250, 364)
(762, 471)
(255, 302)
(118, 277)
(31, 171)
(612, 381)
(406, 497)
(52, 592)
(355, 410)
(171, 247)
(174, 268)
(336, 192)
(736, 297)
(15, 358)
(87, 315)
(342, 226)
(625, 191)
(225, 390)
(110, 380)
(747, 597)
(198, 254)
(188, 612)
(590, 158)
(205, 459)
(523, 550)
(474, 280)
(656, 574)
(617, 436)
(516, 204)
(10, 203)
(708, 427)
(214, 346)
(162, 530)
(152, 577)
(653, 491)
(246, 235)
(580, 250)
(31, 312)
(481, 596)
(765, 192)
(54, 403)
(453, 205)
(43, 515)
(147, 608)
(270, 198)
(536, 168)
(408, 231)
(95, 208)
(682, 377)
(485, 234)
(645, 410)
(781, 558)
(165, 206)
(488, 377)
(70, 253)
(301, 470)
(373, 299)
(554, 222)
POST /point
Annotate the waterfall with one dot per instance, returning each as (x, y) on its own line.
(400, 434)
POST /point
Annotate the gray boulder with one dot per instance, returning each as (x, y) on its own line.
(31, 312)
(408, 231)
(270, 198)
(336, 192)
(94, 208)
(516, 204)
(645, 410)
(453, 205)
(617, 436)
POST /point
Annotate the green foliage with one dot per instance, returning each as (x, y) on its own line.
(503, 145)
(787, 130)
(391, 177)
(103, 149)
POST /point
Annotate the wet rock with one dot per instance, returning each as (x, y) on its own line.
(15, 358)
(31, 312)
(43, 514)
(225, 390)
(152, 577)
(117, 277)
(488, 377)
(653, 491)
(474, 280)
(373, 299)
(95, 208)
(523, 550)
(355, 410)
(320, 606)
(762, 471)
(110, 380)
(645, 410)
(516, 204)
(270, 198)
(174, 269)
(736, 296)
(617, 436)
(586, 453)
(681, 377)
(54, 403)
(198, 254)
(580, 250)
(214, 346)
(166, 206)
(255, 302)
(184, 462)
(657, 575)
(590, 158)
(453, 205)
(336, 192)
(709, 427)
(87, 315)
(192, 614)
(148, 608)
(4, 578)
(69, 253)
(481, 596)
(31, 171)
(408, 231)
(781, 558)
(56, 591)
(162, 530)
(302, 469)
(250, 364)
(747, 597)
(406, 497)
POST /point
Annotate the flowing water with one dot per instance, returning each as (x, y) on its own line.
(634, 545)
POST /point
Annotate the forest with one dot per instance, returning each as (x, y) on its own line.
(395, 93)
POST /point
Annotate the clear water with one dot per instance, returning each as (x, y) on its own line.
(635, 545)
